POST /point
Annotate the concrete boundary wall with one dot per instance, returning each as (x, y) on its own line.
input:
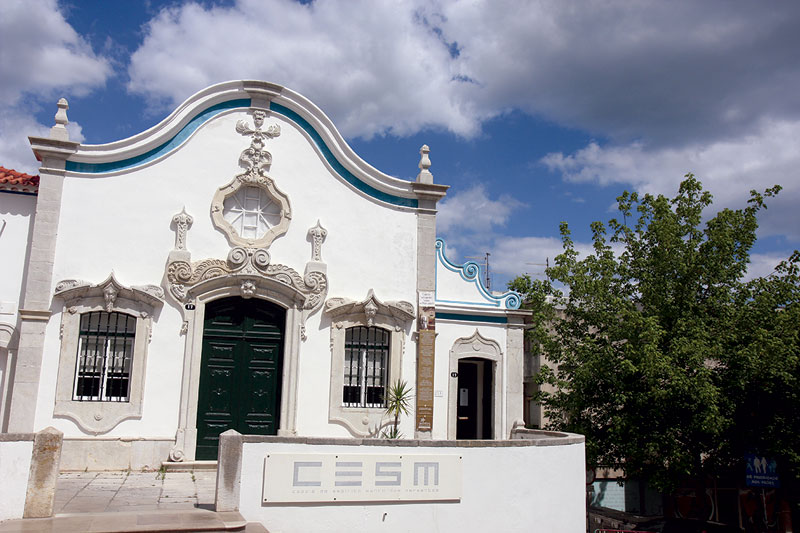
(534, 483)
(29, 470)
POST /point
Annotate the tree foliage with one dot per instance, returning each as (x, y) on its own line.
(656, 347)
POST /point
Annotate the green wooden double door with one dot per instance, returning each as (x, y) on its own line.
(240, 377)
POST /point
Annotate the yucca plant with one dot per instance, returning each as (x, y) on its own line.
(398, 402)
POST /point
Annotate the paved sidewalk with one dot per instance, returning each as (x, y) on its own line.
(98, 492)
(109, 502)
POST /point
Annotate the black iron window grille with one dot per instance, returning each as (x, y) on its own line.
(366, 359)
(105, 352)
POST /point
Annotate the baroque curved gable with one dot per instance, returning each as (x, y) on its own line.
(170, 134)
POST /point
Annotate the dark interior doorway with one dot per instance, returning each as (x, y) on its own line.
(240, 376)
(474, 399)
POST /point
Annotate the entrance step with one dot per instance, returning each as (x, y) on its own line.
(131, 522)
(188, 466)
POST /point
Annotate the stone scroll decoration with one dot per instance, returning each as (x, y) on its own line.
(253, 267)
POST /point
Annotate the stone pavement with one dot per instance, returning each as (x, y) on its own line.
(134, 501)
(97, 492)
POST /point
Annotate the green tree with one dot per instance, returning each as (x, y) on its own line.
(655, 347)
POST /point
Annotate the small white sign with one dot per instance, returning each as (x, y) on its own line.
(298, 477)
(427, 299)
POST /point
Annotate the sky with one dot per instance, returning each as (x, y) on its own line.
(536, 112)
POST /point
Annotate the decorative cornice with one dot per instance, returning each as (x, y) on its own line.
(369, 307)
(110, 290)
(247, 267)
(476, 343)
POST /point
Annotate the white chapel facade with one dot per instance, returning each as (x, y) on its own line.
(238, 266)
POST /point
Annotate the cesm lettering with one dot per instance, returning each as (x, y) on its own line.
(351, 477)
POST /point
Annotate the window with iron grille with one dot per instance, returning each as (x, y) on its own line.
(105, 353)
(366, 360)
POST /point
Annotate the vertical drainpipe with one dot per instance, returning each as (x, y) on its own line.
(428, 194)
(35, 311)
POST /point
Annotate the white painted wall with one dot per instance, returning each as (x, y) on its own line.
(122, 223)
(509, 489)
(15, 464)
(16, 215)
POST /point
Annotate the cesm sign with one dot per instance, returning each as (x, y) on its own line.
(297, 477)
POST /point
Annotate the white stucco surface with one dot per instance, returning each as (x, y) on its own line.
(16, 215)
(509, 489)
(15, 463)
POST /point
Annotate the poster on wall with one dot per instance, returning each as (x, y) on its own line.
(426, 351)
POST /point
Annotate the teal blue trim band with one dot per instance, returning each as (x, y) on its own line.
(337, 166)
(470, 272)
(472, 318)
(155, 153)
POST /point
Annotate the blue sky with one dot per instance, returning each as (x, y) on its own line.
(535, 112)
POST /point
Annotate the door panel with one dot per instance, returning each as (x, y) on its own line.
(240, 379)
(474, 399)
(467, 398)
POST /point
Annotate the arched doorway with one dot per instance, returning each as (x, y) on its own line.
(475, 392)
(241, 370)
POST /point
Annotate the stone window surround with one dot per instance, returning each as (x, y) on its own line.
(395, 317)
(224, 287)
(479, 347)
(97, 417)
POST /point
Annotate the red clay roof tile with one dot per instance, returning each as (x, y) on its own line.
(11, 180)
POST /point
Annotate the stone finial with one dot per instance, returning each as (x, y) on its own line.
(424, 175)
(59, 131)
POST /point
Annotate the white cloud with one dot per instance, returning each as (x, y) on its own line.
(15, 150)
(41, 57)
(728, 168)
(674, 72)
(762, 265)
(473, 210)
(373, 66)
(40, 52)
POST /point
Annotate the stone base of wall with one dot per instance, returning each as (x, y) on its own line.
(114, 454)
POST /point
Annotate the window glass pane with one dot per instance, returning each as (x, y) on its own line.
(365, 367)
(105, 352)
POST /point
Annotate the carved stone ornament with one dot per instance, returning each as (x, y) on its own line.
(248, 289)
(250, 209)
(250, 266)
(111, 290)
(317, 235)
(183, 221)
(369, 308)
